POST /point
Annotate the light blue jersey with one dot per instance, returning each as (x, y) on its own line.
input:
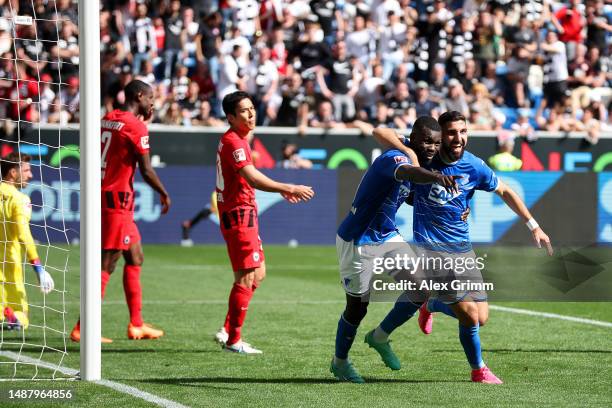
(437, 213)
(371, 219)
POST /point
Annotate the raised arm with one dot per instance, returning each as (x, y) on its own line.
(390, 139)
(517, 205)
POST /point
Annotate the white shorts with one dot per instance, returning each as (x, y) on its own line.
(357, 262)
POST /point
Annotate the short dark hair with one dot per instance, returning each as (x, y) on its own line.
(450, 116)
(424, 125)
(231, 101)
(133, 88)
(13, 161)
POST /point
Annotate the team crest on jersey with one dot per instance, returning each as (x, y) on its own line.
(126, 239)
(400, 159)
(144, 142)
(256, 256)
(239, 155)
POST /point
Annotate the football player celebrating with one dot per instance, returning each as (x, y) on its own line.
(439, 229)
(237, 179)
(369, 232)
(125, 144)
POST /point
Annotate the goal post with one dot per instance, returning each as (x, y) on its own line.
(90, 184)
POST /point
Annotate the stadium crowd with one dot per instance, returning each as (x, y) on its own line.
(521, 65)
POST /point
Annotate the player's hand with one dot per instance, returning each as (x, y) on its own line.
(465, 214)
(540, 237)
(299, 193)
(165, 201)
(45, 280)
(449, 183)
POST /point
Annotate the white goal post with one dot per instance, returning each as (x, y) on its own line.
(90, 181)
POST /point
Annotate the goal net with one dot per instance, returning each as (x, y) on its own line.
(39, 106)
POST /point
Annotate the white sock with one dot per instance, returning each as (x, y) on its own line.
(380, 336)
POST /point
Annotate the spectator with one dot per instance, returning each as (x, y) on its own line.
(555, 68)
(324, 117)
(204, 118)
(570, 24)
(423, 104)
(598, 24)
(456, 98)
(263, 83)
(401, 107)
(233, 76)
(343, 84)
(481, 101)
(292, 106)
(210, 43)
(361, 41)
(382, 117)
(69, 98)
(142, 38)
(523, 128)
(291, 158)
(504, 160)
(172, 42)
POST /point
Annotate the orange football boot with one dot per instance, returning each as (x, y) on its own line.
(146, 331)
(75, 335)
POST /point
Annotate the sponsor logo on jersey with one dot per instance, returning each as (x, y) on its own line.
(440, 195)
(126, 239)
(400, 159)
(256, 256)
(144, 142)
(239, 155)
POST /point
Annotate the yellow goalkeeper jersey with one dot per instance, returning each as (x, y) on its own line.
(15, 215)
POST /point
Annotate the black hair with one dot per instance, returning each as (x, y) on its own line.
(13, 161)
(231, 101)
(450, 116)
(135, 87)
(424, 126)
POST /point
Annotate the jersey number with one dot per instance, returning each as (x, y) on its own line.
(220, 182)
(106, 142)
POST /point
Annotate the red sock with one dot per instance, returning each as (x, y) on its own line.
(226, 325)
(133, 293)
(105, 278)
(238, 304)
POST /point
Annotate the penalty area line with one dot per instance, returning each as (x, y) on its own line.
(120, 387)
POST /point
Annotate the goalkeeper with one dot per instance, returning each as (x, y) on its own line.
(15, 214)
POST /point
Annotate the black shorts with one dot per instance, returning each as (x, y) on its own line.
(554, 92)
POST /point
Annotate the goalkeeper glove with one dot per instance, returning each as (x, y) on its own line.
(44, 278)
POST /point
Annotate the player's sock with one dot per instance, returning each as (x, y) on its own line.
(436, 305)
(238, 305)
(226, 324)
(402, 311)
(470, 340)
(133, 293)
(345, 335)
(105, 279)
(205, 213)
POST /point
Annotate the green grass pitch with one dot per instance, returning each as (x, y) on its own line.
(292, 318)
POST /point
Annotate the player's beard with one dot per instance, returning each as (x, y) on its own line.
(452, 152)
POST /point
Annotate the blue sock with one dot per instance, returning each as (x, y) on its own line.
(402, 311)
(344, 338)
(470, 340)
(435, 305)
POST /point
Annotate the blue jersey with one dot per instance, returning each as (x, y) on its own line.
(437, 213)
(371, 219)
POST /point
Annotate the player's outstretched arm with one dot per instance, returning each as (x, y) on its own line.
(419, 175)
(150, 177)
(390, 139)
(291, 192)
(517, 205)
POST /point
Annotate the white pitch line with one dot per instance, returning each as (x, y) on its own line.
(123, 388)
(551, 316)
